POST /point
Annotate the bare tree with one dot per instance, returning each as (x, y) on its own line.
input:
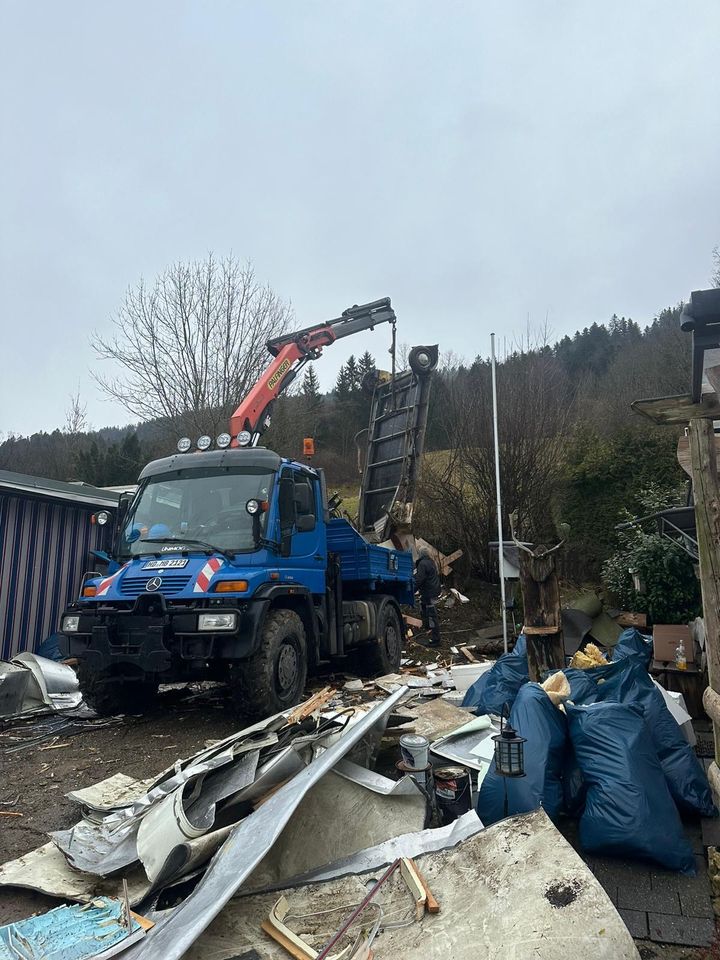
(192, 345)
(535, 407)
(76, 416)
(715, 279)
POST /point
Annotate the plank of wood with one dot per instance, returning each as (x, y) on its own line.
(288, 945)
(10, 813)
(678, 409)
(431, 904)
(468, 654)
(540, 631)
(412, 621)
(415, 886)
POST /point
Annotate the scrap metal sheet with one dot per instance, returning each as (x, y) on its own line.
(247, 844)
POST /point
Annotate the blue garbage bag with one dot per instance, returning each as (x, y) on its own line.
(633, 643)
(50, 648)
(628, 807)
(627, 681)
(534, 717)
(499, 685)
(583, 688)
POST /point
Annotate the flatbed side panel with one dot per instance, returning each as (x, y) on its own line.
(360, 560)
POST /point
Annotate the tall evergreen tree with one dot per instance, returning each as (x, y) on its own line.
(311, 389)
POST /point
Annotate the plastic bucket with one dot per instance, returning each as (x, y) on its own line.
(415, 750)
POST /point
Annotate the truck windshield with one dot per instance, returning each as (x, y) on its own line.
(206, 505)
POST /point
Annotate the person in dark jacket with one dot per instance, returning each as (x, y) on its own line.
(427, 583)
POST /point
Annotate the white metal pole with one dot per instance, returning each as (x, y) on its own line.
(501, 557)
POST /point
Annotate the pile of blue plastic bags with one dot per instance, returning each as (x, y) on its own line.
(613, 756)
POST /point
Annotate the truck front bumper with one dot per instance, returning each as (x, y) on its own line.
(107, 638)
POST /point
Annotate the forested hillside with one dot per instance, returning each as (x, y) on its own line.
(572, 449)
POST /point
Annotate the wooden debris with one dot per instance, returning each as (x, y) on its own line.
(310, 706)
(469, 655)
(431, 904)
(11, 813)
(412, 621)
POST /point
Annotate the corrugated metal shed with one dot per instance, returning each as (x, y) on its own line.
(45, 543)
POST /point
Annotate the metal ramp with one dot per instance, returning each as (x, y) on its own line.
(396, 439)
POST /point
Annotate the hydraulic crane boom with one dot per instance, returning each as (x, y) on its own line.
(290, 353)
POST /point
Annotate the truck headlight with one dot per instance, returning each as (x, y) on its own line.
(217, 621)
(70, 624)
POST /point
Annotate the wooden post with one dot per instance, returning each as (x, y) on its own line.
(706, 491)
(541, 605)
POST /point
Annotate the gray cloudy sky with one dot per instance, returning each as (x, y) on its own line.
(475, 161)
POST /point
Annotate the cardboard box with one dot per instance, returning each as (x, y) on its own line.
(666, 638)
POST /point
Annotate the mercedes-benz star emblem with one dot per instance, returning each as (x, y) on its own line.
(154, 583)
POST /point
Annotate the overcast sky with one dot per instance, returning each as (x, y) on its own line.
(478, 162)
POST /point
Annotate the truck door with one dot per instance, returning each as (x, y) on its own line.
(308, 555)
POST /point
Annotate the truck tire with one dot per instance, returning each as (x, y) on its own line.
(107, 694)
(383, 654)
(273, 679)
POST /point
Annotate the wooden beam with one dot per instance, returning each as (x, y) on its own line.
(713, 775)
(679, 409)
(706, 491)
(711, 703)
(540, 631)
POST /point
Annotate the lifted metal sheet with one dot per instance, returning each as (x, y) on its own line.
(246, 846)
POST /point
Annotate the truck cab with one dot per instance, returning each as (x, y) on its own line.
(229, 567)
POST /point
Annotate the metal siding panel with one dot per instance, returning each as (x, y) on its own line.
(11, 580)
(32, 587)
(42, 614)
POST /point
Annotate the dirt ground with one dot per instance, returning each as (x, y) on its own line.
(35, 776)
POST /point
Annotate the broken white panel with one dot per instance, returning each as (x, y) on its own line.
(116, 791)
(464, 675)
(46, 870)
(248, 843)
(514, 891)
(675, 702)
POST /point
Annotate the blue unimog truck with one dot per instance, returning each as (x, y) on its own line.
(232, 567)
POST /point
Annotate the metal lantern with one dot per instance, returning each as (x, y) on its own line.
(638, 581)
(509, 758)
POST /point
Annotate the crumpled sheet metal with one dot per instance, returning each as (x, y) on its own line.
(513, 891)
(187, 814)
(245, 847)
(110, 845)
(106, 795)
(47, 686)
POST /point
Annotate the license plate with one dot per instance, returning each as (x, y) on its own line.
(164, 564)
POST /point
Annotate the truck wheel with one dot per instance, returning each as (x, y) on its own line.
(383, 654)
(107, 694)
(274, 678)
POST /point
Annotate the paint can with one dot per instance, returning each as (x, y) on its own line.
(452, 792)
(421, 775)
(415, 750)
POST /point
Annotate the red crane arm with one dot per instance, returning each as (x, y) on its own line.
(291, 352)
(278, 376)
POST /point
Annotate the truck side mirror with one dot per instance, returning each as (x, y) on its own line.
(306, 523)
